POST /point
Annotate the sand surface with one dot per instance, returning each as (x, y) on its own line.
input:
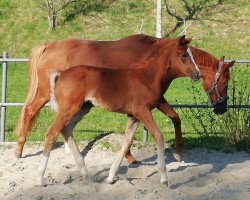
(203, 174)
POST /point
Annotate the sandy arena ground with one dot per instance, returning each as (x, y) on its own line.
(203, 174)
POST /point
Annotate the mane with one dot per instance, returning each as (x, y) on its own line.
(140, 37)
(204, 58)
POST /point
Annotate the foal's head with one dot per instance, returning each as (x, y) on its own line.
(182, 62)
(215, 84)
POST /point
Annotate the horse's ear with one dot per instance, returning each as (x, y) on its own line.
(230, 64)
(183, 40)
(189, 39)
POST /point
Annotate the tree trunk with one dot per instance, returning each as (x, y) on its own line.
(52, 21)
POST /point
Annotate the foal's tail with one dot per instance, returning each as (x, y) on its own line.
(32, 83)
(53, 103)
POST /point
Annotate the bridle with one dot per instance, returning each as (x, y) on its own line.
(215, 88)
(215, 84)
(192, 59)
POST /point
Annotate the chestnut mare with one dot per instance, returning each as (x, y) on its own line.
(58, 56)
(134, 91)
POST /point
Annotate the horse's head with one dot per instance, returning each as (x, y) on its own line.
(183, 60)
(215, 85)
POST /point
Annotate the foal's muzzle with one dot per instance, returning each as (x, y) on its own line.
(220, 107)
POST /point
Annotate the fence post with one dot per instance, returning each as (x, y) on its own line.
(145, 134)
(4, 89)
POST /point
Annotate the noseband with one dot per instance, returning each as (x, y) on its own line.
(215, 88)
(192, 59)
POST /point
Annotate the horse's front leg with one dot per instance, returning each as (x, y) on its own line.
(165, 108)
(131, 127)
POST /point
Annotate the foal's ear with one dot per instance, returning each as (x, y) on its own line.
(184, 41)
(222, 59)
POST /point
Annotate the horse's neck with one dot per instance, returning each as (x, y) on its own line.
(206, 62)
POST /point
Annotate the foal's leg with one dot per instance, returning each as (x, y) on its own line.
(145, 116)
(131, 127)
(67, 133)
(30, 112)
(165, 108)
(61, 119)
(50, 140)
(68, 129)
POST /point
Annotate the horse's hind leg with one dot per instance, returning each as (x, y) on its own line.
(30, 112)
(67, 133)
(130, 158)
(131, 127)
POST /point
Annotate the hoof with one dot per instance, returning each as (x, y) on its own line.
(67, 149)
(110, 180)
(178, 157)
(84, 174)
(40, 182)
(135, 162)
(164, 181)
(17, 155)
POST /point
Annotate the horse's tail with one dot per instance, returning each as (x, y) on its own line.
(53, 103)
(32, 83)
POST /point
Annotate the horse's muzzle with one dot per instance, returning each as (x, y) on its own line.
(220, 107)
(195, 76)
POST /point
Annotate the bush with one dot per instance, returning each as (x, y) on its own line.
(235, 123)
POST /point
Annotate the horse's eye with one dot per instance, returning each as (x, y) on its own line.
(184, 55)
(225, 83)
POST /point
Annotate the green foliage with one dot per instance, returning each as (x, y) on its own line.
(235, 123)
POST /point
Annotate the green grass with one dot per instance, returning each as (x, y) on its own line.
(24, 25)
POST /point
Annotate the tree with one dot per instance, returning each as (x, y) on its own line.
(53, 7)
(191, 10)
(74, 8)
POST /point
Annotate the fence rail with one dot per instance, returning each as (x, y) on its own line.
(4, 60)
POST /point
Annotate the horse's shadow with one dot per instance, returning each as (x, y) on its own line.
(189, 163)
(84, 152)
(56, 145)
(88, 147)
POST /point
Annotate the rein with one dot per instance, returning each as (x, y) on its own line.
(215, 88)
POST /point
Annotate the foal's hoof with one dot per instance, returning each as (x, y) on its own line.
(40, 182)
(17, 155)
(110, 180)
(67, 149)
(177, 156)
(164, 181)
(84, 173)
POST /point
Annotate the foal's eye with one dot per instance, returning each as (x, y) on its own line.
(184, 55)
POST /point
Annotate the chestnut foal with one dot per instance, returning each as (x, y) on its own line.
(134, 91)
